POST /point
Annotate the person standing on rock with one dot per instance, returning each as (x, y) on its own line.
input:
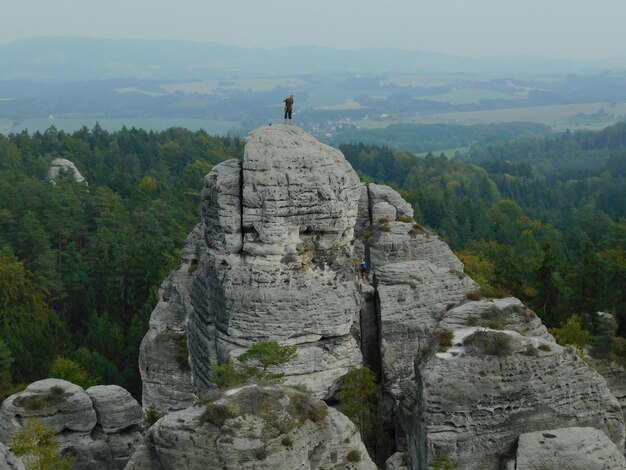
(288, 108)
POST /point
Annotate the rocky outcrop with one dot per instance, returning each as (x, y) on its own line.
(61, 165)
(615, 376)
(116, 409)
(100, 426)
(474, 397)
(278, 266)
(413, 296)
(252, 427)
(163, 354)
(572, 448)
(56, 403)
(275, 258)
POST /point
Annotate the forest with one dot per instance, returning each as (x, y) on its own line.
(80, 265)
(542, 217)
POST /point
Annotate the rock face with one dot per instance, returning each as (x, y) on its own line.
(571, 448)
(100, 426)
(275, 258)
(413, 296)
(59, 165)
(163, 354)
(115, 408)
(473, 399)
(278, 266)
(252, 427)
(615, 376)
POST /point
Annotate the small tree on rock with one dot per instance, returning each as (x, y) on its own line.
(356, 399)
(36, 445)
(254, 364)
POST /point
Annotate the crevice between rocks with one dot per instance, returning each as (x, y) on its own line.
(383, 443)
(243, 233)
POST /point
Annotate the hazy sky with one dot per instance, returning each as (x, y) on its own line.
(552, 28)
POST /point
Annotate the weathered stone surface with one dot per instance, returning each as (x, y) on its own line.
(59, 165)
(254, 427)
(472, 401)
(55, 402)
(615, 376)
(145, 458)
(116, 409)
(221, 207)
(121, 445)
(165, 372)
(293, 183)
(90, 453)
(413, 297)
(363, 217)
(102, 439)
(402, 241)
(575, 448)
(397, 462)
(383, 212)
(382, 193)
(275, 259)
(8, 461)
(508, 313)
(292, 279)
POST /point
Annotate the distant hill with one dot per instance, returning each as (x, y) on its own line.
(73, 58)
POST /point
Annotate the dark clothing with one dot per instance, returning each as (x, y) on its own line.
(363, 269)
(288, 107)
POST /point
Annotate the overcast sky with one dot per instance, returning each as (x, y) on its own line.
(548, 28)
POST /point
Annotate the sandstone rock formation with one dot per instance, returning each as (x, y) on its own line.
(571, 448)
(615, 376)
(163, 354)
(269, 427)
(59, 165)
(99, 426)
(473, 399)
(278, 266)
(275, 258)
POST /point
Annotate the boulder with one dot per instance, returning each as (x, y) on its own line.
(254, 427)
(100, 426)
(574, 448)
(55, 402)
(116, 409)
(381, 193)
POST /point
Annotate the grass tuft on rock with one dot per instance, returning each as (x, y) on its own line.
(488, 343)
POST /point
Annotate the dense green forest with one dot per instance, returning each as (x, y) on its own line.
(540, 217)
(80, 265)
